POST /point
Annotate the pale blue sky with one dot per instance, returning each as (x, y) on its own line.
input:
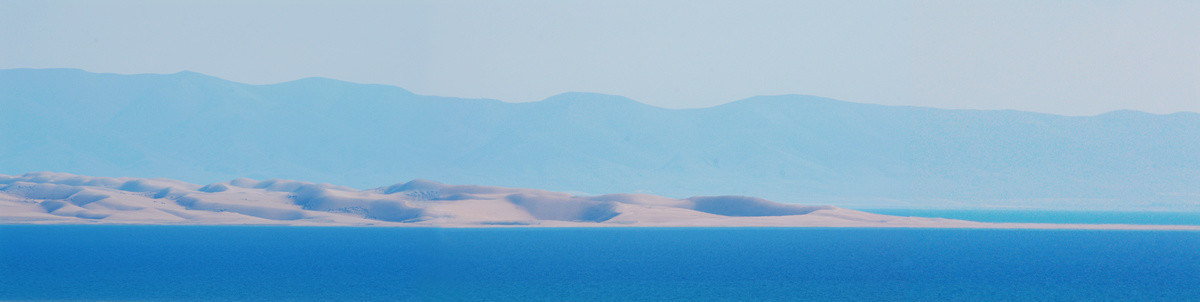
(1069, 57)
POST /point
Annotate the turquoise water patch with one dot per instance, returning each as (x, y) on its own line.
(1052, 216)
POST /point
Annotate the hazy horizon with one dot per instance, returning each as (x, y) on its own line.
(599, 93)
(1067, 57)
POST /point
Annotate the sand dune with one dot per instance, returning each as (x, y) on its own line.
(60, 198)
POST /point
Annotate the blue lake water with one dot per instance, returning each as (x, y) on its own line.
(615, 264)
(1052, 216)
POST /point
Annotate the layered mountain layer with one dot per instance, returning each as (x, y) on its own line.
(793, 149)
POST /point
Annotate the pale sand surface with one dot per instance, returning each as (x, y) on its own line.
(58, 198)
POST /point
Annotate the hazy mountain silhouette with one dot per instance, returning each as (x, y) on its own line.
(789, 148)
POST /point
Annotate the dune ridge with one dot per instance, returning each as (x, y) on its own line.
(61, 198)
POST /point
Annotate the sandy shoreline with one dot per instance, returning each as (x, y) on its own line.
(972, 225)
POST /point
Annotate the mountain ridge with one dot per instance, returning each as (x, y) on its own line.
(791, 148)
(788, 95)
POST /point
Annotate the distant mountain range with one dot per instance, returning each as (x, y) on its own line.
(789, 148)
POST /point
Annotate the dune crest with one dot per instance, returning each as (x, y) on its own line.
(49, 198)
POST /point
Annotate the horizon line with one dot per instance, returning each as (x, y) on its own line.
(182, 72)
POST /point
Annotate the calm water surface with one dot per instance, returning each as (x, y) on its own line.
(613, 264)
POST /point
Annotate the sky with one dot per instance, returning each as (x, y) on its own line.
(1063, 57)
